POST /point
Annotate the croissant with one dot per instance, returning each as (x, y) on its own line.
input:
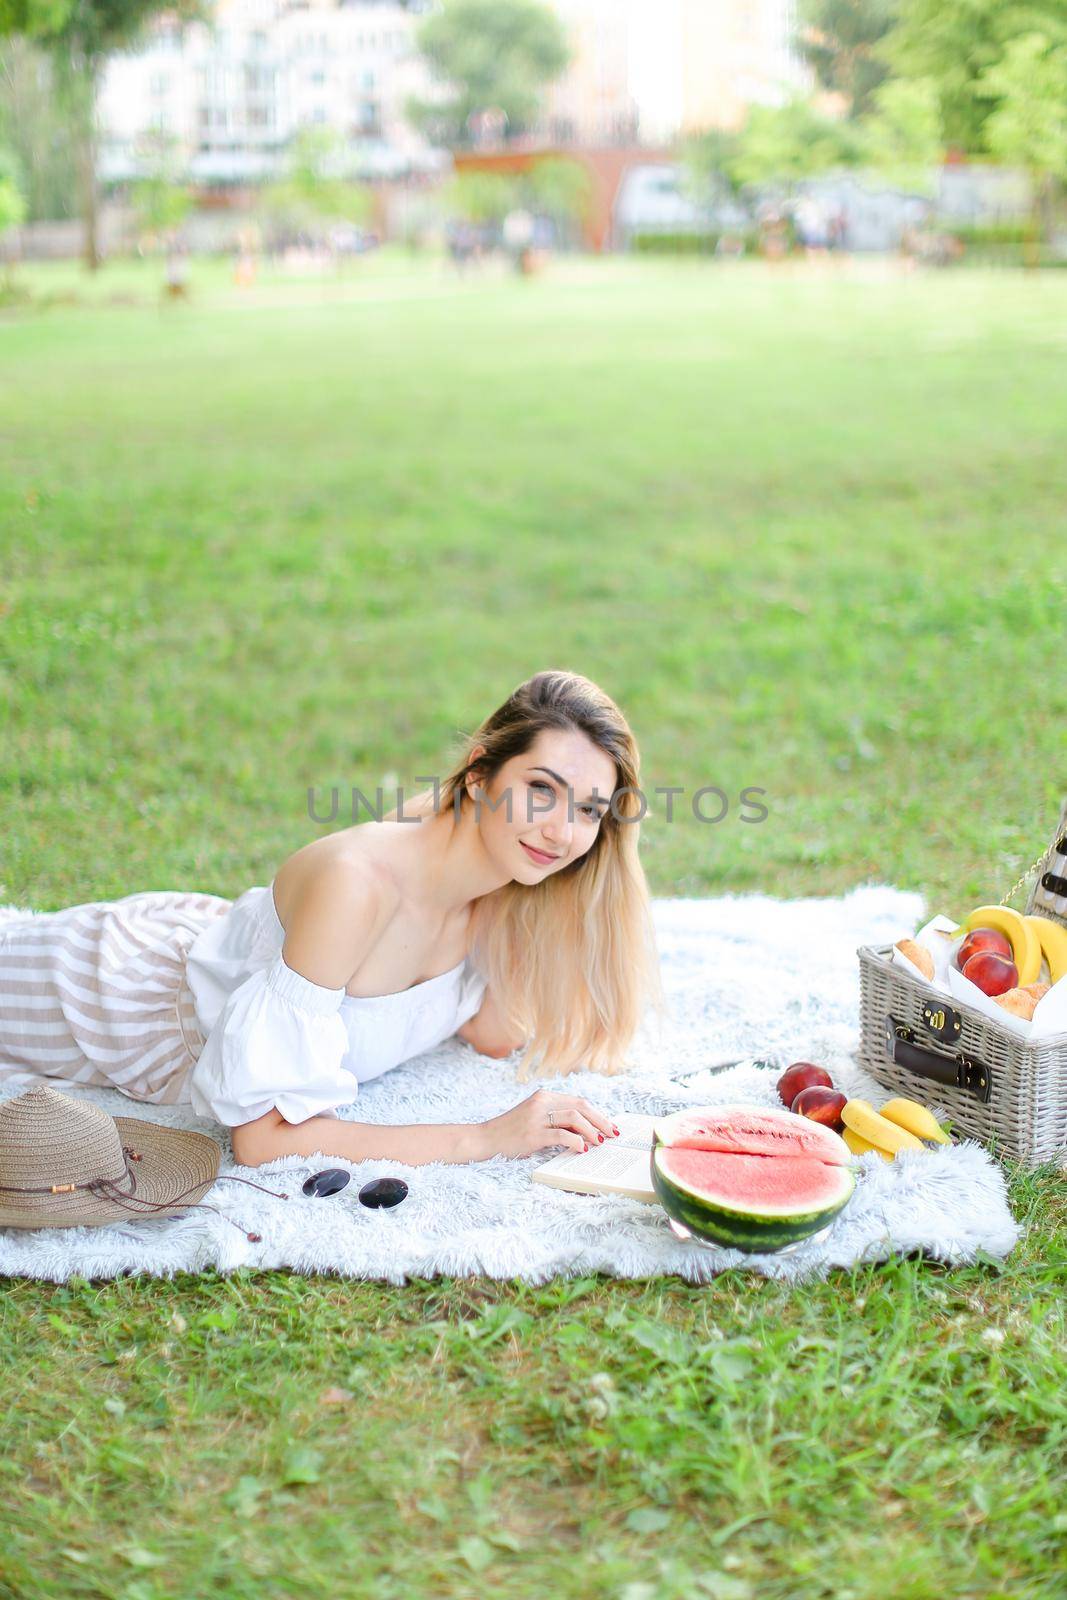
(1019, 1002)
(917, 955)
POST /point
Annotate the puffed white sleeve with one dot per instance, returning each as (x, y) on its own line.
(278, 1042)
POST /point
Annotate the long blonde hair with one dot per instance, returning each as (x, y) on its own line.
(572, 961)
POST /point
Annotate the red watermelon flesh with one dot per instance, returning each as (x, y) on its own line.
(752, 1186)
(752, 1131)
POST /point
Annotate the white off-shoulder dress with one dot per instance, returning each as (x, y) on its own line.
(186, 998)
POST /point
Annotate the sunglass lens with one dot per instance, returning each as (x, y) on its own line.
(328, 1182)
(383, 1192)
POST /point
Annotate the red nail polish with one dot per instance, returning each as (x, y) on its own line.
(585, 1147)
(600, 1136)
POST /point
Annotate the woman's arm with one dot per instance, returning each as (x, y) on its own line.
(486, 1031)
(543, 1121)
(271, 1136)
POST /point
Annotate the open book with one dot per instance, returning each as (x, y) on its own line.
(621, 1166)
(618, 1166)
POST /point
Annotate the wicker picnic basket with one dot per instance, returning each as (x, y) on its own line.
(990, 1081)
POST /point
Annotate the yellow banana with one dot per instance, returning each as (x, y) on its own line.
(863, 1119)
(858, 1145)
(1053, 941)
(916, 1118)
(1017, 931)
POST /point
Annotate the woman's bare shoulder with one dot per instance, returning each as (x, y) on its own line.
(347, 865)
(339, 916)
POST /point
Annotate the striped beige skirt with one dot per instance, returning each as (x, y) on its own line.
(97, 994)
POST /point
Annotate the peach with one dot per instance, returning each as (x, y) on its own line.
(994, 974)
(821, 1105)
(802, 1075)
(984, 939)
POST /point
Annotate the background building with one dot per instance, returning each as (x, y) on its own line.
(697, 64)
(593, 102)
(736, 53)
(233, 93)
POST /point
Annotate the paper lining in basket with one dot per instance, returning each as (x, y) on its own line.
(1050, 1013)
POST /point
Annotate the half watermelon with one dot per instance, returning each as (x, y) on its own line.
(751, 1131)
(749, 1178)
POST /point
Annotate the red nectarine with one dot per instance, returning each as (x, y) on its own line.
(984, 939)
(992, 973)
(802, 1075)
(821, 1105)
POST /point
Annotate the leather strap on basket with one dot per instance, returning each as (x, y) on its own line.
(961, 1070)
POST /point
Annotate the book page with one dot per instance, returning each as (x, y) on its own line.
(618, 1166)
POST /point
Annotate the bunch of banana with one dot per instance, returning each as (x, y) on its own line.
(1019, 932)
(900, 1125)
(1052, 938)
(1032, 940)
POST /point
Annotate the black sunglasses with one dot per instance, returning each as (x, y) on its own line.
(378, 1192)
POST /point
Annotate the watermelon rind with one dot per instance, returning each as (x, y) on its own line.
(753, 1231)
(799, 1135)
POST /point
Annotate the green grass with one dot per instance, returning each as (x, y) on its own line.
(808, 532)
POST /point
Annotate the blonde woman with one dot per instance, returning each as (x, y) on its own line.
(511, 908)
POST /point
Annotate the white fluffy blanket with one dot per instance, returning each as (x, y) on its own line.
(744, 975)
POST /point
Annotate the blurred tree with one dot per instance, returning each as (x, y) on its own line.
(33, 127)
(710, 167)
(78, 36)
(1028, 124)
(480, 196)
(560, 189)
(838, 39)
(953, 42)
(902, 133)
(310, 193)
(12, 205)
(160, 201)
(487, 56)
(793, 141)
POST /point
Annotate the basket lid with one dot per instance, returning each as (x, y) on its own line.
(1048, 897)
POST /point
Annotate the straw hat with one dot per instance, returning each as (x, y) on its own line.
(64, 1163)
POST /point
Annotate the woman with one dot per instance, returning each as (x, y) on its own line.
(514, 912)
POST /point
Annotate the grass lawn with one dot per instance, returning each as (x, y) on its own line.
(808, 531)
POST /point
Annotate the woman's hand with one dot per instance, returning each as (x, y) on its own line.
(543, 1120)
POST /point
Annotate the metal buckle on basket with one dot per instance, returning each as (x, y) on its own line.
(972, 1075)
(942, 1021)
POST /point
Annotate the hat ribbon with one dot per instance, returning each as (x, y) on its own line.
(107, 1189)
